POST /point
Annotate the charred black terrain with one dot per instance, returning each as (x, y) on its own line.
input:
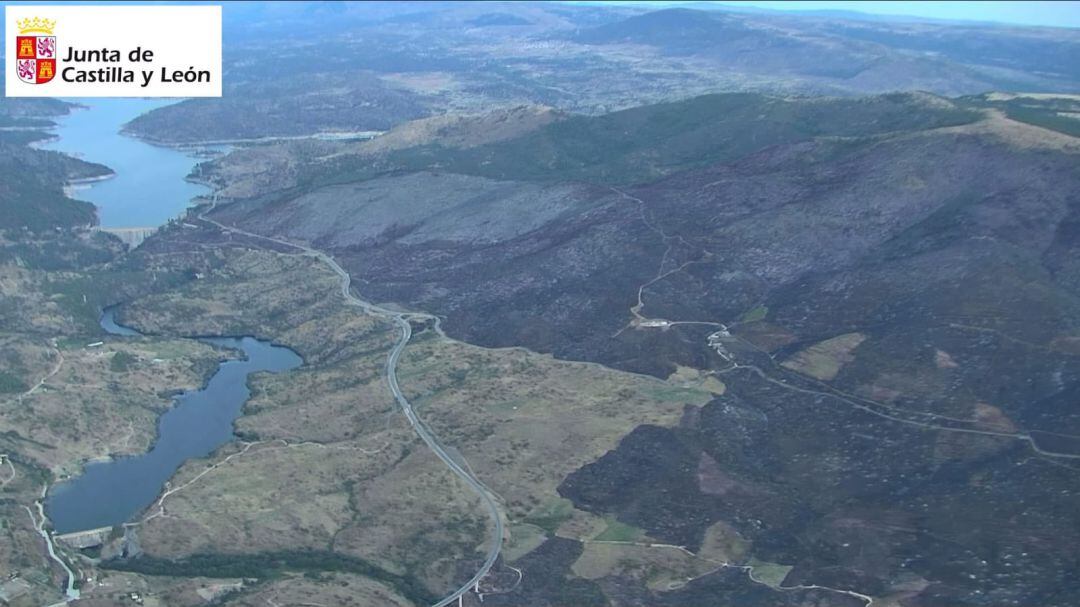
(891, 299)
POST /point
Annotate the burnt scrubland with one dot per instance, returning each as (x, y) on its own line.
(893, 277)
(600, 239)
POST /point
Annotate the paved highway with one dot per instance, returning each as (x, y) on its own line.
(401, 321)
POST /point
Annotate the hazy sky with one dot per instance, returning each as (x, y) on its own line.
(1028, 13)
(1035, 12)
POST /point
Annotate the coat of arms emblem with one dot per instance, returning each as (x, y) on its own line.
(35, 50)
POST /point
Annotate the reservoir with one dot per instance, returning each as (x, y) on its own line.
(111, 493)
(149, 187)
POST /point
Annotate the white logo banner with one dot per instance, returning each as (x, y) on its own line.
(112, 51)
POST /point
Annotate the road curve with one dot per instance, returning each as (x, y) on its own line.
(485, 494)
(401, 321)
(70, 591)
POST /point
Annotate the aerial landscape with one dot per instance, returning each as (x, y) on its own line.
(552, 304)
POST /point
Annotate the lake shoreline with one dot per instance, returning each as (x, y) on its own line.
(147, 185)
(188, 413)
(196, 145)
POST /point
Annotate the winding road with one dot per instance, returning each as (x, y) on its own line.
(70, 591)
(401, 321)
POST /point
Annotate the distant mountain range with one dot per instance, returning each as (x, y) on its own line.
(391, 63)
(860, 54)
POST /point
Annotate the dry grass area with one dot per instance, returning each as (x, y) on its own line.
(336, 589)
(341, 400)
(999, 96)
(397, 507)
(25, 360)
(724, 544)
(120, 387)
(1016, 133)
(26, 306)
(524, 420)
(460, 130)
(114, 588)
(993, 419)
(687, 377)
(660, 567)
(770, 574)
(258, 169)
(282, 491)
(337, 497)
(522, 539)
(334, 466)
(765, 335)
(612, 548)
(21, 548)
(824, 360)
(293, 300)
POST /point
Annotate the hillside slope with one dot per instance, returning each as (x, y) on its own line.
(891, 298)
(32, 193)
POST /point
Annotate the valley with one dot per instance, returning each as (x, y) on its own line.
(538, 304)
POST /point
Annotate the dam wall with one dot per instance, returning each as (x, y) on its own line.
(132, 237)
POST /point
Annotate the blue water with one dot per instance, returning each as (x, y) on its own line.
(112, 493)
(149, 187)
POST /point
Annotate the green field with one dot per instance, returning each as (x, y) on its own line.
(617, 531)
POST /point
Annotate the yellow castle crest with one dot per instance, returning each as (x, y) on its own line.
(35, 50)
